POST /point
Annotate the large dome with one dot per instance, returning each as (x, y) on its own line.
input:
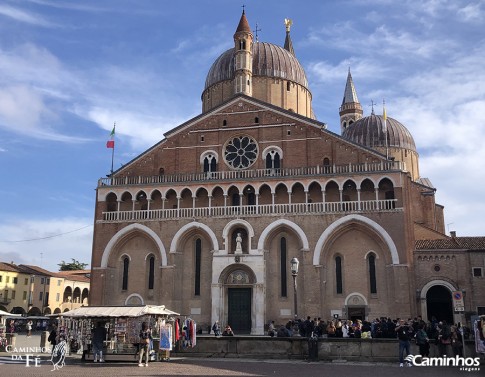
(268, 60)
(369, 131)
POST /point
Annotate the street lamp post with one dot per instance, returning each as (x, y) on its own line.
(294, 272)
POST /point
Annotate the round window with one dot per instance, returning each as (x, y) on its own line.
(241, 152)
(437, 268)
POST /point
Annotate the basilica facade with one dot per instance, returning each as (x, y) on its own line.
(208, 220)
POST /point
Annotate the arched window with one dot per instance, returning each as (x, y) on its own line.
(126, 264)
(283, 267)
(372, 273)
(161, 171)
(210, 164)
(111, 202)
(338, 275)
(288, 86)
(273, 159)
(236, 199)
(151, 272)
(256, 120)
(208, 160)
(326, 165)
(198, 260)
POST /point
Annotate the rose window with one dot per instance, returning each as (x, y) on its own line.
(241, 152)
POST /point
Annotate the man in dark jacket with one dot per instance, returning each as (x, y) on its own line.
(404, 332)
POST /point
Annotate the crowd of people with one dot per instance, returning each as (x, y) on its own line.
(424, 333)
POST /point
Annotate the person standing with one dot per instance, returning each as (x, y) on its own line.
(52, 339)
(422, 340)
(456, 341)
(216, 327)
(444, 338)
(99, 336)
(29, 328)
(145, 338)
(404, 332)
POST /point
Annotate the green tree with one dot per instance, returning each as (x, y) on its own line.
(74, 265)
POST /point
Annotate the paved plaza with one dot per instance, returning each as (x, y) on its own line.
(16, 365)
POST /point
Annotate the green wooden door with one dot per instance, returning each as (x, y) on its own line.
(239, 310)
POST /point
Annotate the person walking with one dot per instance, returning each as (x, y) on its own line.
(145, 338)
(404, 332)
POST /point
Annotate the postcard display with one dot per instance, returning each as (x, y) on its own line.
(122, 333)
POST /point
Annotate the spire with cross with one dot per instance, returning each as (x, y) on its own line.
(256, 32)
(372, 103)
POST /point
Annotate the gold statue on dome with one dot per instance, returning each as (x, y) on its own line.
(288, 24)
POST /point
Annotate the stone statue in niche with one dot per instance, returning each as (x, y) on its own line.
(239, 244)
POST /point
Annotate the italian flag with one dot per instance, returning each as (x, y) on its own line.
(111, 142)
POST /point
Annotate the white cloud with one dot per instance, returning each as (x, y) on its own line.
(472, 12)
(140, 130)
(56, 239)
(23, 16)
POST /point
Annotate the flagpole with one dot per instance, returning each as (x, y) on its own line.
(113, 151)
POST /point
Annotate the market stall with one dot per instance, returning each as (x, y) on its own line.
(7, 336)
(122, 323)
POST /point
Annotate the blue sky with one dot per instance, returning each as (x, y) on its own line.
(70, 69)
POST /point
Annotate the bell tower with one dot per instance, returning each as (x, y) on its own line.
(243, 43)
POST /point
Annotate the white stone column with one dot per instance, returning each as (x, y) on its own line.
(358, 199)
(217, 312)
(258, 310)
(257, 202)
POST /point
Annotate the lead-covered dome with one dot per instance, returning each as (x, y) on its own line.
(369, 131)
(269, 60)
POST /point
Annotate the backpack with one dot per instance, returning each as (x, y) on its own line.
(445, 333)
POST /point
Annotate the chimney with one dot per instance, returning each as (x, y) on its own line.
(453, 234)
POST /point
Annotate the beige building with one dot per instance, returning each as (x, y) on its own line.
(35, 291)
(207, 220)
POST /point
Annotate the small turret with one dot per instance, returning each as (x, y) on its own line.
(243, 42)
(351, 110)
